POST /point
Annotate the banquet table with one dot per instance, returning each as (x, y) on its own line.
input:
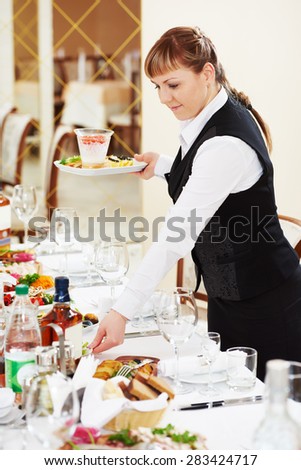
(224, 427)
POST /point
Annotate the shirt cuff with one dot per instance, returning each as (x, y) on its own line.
(163, 165)
(127, 304)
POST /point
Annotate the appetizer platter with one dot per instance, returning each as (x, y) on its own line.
(111, 166)
(163, 438)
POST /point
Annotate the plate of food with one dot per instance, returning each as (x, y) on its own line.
(112, 165)
(167, 437)
(40, 291)
(110, 367)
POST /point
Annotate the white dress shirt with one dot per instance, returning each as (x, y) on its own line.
(222, 165)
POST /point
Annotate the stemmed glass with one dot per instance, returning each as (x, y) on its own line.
(111, 263)
(24, 203)
(62, 230)
(177, 317)
(88, 251)
(52, 410)
(210, 349)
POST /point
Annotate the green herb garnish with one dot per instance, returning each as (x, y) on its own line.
(68, 160)
(184, 438)
(29, 279)
(123, 436)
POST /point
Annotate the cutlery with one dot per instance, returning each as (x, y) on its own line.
(126, 368)
(229, 402)
(141, 334)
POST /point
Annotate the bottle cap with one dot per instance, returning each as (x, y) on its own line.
(21, 289)
(46, 356)
(61, 289)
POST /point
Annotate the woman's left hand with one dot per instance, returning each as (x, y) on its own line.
(110, 332)
(151, 159)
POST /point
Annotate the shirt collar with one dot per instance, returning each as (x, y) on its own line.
(191, 128)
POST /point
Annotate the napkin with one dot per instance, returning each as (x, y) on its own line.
(5, 277)
(84, 371)
(96, 412)
(191, 365)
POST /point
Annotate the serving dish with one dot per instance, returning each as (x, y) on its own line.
(137, 166)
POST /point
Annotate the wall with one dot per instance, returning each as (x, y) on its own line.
(258, 44)
(107, 23)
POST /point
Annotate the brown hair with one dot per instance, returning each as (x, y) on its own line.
(190, 48)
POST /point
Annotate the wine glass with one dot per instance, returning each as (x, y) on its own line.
(177, 317)
(62, 228)
(111, 263)
(52, 409)
(24, 203)
(88, 252)
(210, 349)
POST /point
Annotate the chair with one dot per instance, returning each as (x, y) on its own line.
(127, 126)
(61, 135)
(5, 110)
(13, 146)
(185, 268)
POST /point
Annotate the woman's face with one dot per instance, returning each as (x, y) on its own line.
(185, 92)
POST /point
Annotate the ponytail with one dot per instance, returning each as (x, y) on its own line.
(245, 101)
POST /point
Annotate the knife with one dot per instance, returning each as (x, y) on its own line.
(215, 404)
(141, 334)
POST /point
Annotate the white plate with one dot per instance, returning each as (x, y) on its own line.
(137, 166)
(217, 377)
(91, 327)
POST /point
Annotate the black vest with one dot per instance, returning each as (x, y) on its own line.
(242, 251)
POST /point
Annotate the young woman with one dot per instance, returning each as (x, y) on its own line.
(221, 183)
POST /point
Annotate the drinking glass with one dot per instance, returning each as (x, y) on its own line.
(111, 263)
(62, 231)
(24, 203)
(210, 349)
(88, 251)
(177, 317)
(52, 410)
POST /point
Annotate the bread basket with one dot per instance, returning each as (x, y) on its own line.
(132, 419)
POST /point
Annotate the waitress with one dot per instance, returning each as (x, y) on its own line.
(221, 184)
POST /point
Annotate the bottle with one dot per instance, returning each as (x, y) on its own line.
(46, 364)
(277, 430)
(69, 357)
(5, 221)
(62, 315)
(22, 336)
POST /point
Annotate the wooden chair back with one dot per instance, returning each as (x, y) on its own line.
(13, 146)
(61, 134)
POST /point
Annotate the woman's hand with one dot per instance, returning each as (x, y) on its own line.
(151, 159)
(110, 332)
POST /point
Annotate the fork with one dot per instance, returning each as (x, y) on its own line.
(126, 369)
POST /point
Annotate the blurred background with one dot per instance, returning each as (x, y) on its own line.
(80, 64)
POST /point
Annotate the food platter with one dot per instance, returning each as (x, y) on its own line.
(137, 166)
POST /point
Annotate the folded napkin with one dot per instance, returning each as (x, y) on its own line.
(84, 371)
(191, 365)
(96, 412)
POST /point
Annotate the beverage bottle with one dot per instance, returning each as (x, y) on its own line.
(62, 315)
(277, 430)
(5, 221)
(46, 364)
(46, 360)
(22, 336)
